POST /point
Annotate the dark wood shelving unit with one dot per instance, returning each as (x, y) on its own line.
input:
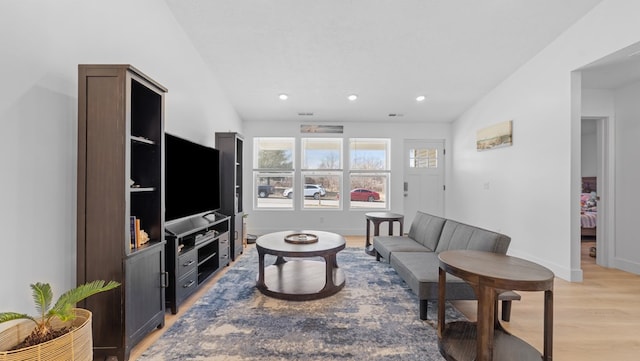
(120, 141)
(231, 147)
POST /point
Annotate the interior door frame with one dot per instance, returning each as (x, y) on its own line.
(605, 223)
(605, 233)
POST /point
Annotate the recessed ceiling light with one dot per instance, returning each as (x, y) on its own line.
(420, 98)
(283, 96)
(352, 97)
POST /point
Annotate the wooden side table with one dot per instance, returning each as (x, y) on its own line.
(489, 274)
(376, 218)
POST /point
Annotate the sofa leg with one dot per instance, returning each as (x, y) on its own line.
(423, 309)
(506, 310)
(377, 256)
(506, 298)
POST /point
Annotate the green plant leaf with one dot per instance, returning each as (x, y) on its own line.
(11, 316)
(63, 306)
(64, 313)
(42, 296)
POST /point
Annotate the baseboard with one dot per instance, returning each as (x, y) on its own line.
(626, 265)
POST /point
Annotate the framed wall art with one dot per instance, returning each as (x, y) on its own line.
(495, 136)
(311, 128)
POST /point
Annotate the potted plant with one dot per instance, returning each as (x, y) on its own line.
(58, 332)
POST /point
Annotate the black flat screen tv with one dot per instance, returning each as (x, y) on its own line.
(192, 178)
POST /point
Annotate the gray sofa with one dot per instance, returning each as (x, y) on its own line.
(415, 257)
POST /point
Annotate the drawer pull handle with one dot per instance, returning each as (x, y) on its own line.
(189, 284)
(188, 263)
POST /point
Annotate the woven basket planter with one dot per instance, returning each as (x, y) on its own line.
(77, 345)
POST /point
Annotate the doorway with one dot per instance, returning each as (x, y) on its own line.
(597, 160)
(589, 195)
(423, 186)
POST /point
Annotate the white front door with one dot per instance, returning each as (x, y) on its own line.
(423, 178)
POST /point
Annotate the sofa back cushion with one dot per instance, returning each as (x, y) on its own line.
(457, 235)
(426, 229)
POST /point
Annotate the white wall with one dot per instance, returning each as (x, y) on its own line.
(597, 103)
(42, 43)
(534, 183)
(627, 178)
(348, 222)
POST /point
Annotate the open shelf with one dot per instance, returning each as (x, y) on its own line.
(142, 189)
(142, 140)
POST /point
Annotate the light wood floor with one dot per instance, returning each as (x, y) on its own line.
(597, 319)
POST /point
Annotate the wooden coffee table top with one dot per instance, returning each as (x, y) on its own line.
(502, 271)
(384, 216)
(274, 243)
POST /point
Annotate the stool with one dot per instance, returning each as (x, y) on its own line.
(377, 218)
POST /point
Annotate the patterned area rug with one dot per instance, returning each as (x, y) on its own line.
(374, 317)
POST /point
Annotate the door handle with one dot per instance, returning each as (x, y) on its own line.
(164, 281)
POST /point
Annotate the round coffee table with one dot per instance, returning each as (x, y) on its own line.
(300, 279)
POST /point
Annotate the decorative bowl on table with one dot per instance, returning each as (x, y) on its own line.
(301, 238)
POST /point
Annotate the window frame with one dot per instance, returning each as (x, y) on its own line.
(275, 172)
(300, 167)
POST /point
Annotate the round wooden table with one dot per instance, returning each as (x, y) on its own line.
(300, 280)
(376, 218)
(490, 274)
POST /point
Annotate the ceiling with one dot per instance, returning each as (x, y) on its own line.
(386, 51)
(613, 71)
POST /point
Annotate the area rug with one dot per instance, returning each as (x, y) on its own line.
(374, 317)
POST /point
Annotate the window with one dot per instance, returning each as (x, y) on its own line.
(321, 153)
(320, 179)
(369, 154)
(369, 173)
(423, 158)
(273, 169)
(368, 191)
(322, 172)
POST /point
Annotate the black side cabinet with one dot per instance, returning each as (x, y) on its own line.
(197, 248)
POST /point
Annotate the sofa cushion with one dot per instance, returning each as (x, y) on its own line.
(386, 245)
(457, 235)
(426, 229)
(420, 271)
